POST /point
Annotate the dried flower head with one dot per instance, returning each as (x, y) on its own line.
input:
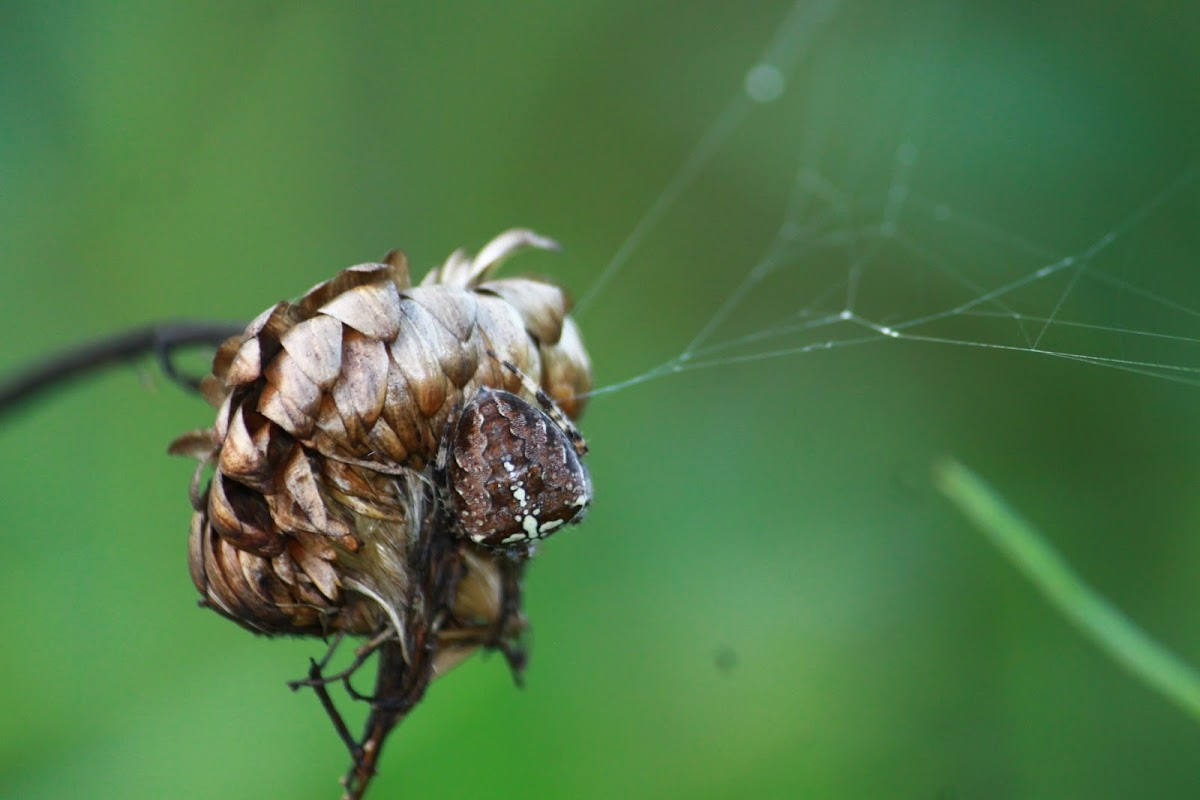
(326, 512)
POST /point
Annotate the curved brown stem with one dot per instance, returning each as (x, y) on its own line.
(160, 339)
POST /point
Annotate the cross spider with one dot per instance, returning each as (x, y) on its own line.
(510, 473)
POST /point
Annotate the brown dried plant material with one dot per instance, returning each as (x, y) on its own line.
(321, 516)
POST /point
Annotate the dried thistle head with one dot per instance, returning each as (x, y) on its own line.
(326, 512)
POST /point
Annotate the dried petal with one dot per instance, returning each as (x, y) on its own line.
(247, 363)
(244, 455)
(541, 306)
(362, 386)
(346, 280)
(316, 347)
(302, 550)
(371, 310)
(195, 444)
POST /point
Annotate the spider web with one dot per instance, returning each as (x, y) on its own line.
(863, 254)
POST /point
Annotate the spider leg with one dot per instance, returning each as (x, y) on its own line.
(549, 406)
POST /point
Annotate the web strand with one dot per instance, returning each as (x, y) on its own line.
(1006, 291)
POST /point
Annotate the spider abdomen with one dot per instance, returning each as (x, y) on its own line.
(512, 473)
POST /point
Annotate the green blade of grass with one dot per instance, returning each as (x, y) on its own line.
(1086, 609)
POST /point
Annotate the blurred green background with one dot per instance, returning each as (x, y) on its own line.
(767, 600)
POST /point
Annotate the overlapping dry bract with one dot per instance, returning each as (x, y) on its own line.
(330, 410)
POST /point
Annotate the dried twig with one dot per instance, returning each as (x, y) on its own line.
(404, 676)
(160, 339)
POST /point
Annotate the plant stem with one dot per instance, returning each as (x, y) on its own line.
(161, 339)
(1090, 612)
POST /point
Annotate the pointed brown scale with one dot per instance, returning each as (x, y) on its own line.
(426, 311)
(503, 247)
(344, 478)
(286, 513)
(223, 516)
(541, 305)
(385, 444)
(264, 332)
(341, 532)
(414, 353)
(285, 374)
(310, 602)
(221, 423)
(329, 422)
(213, 390)
(253, 603)
(284, 598)
(317, 545)
(196, 551)
(315, 346)
(194, 444)
(370, 507)
(503, 330)
(244, 456)
(264, 320)
(337, 530)
(246, 366)
(372, 309)
(324, 444)
(289, 397)
(367, 493)
(232, 588)
(491, 373)
(454, 309)
(346, 280)
(240, 515)
(398, 408)
(282, 566)
(267, 439)
(226, 353)
(459, 362)
(306, 551)
(462, 365)
(398, 261)
(450, 316)
(301, 484)
(215, 588)
(362, 387)
(454, 271)
(258, 577)
(277, 406)
(290, 516)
